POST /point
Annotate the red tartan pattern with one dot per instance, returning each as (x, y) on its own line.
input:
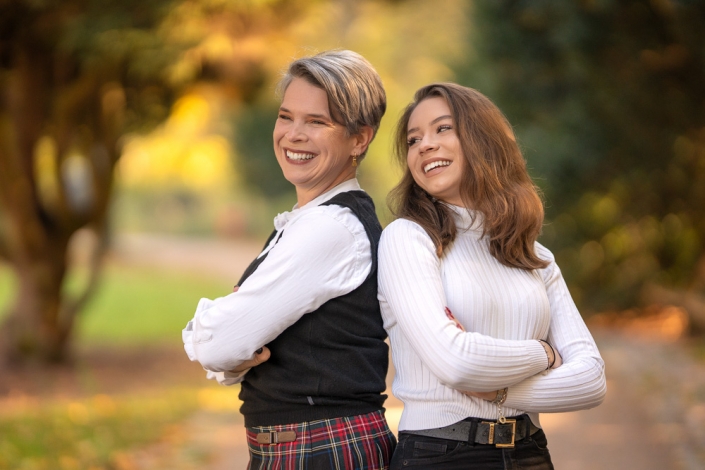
(349, 443)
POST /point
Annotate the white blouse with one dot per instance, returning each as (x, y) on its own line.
(325, 253)
(503, 310)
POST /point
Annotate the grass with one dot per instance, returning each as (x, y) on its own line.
(145, 306)
(136, 305)
(132, 307)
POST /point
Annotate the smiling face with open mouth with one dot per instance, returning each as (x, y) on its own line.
(434, 156)
(313, 150)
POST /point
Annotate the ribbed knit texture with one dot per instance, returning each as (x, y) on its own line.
(504, 311)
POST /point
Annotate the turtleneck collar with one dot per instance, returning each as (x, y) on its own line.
(467, 219)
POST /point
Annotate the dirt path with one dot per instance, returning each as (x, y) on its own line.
(653, 416)
(645, 423)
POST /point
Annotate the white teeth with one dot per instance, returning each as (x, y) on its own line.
(435, 164)
(299, 156)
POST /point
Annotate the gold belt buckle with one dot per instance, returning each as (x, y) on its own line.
(513, 422)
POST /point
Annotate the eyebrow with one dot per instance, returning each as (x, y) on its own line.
(313, 115)
(439, 118)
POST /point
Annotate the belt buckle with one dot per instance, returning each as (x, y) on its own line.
(513, 422)
(490, 438)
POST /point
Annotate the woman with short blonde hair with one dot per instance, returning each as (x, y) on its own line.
(313, 396)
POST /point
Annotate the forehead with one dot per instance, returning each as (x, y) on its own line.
(303, 97)
(428, 110)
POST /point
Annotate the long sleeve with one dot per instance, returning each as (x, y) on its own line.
(323, 253)
(580, 382)
(412, 294)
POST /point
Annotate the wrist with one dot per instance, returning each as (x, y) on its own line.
(501, 396)
(550, 353)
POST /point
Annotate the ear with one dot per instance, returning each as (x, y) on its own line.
(363, 139)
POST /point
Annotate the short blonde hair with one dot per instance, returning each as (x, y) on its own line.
(356, 96)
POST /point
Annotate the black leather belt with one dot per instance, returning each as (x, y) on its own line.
(478, 431)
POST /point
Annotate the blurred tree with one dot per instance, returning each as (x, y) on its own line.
(609, 100)
(75, 76)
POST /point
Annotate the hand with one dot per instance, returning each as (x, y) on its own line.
(559, 360)
(489, 396)
(261, 355)
(552, 354)
(450, 316)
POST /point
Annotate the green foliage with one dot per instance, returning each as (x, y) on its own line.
(609, 104)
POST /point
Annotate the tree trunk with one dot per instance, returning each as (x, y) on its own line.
(34, 328)
(73, 112)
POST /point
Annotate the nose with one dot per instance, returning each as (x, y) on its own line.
(295, 133)
(427, 144)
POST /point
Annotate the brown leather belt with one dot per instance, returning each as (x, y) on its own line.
(274, 437)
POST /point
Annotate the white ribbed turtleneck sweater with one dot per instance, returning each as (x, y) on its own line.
(504, 311)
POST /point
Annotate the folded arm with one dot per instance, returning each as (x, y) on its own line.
(579, 383)
(410, 283)
(319, 257)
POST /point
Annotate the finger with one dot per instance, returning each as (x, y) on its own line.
(262, 356)
(450, 316)
(235, 288)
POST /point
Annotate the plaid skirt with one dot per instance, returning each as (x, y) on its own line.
(353, 442)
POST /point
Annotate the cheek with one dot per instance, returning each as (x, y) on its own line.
(277, 135)
(410, 159)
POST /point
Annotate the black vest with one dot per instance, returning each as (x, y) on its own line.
(333, 361)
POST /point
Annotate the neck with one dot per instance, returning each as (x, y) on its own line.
(306, 195)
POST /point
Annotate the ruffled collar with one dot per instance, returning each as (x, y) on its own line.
(282, 219)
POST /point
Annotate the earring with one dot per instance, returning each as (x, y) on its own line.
(354, 163)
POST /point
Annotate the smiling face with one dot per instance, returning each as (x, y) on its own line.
(313, 150)
(435, 157)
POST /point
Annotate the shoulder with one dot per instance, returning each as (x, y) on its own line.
(404, 232)
(327, 222)
(546, 255)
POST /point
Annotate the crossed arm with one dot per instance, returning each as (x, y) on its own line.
(412, 286)
(324, 253)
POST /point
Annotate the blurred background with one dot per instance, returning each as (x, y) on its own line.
(137, 175)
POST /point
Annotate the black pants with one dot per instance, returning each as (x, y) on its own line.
(421, 452)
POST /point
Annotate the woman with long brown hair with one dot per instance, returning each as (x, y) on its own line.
(484, 333)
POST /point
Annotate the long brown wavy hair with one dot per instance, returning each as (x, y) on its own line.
(495, 182)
